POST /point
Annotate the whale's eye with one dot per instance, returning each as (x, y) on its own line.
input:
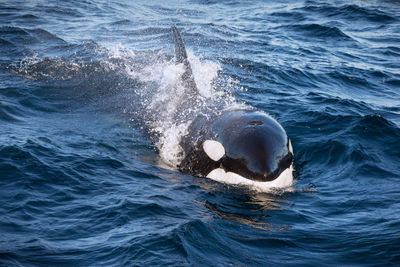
(255, 123)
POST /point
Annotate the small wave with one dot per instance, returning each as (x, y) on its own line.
(10, 113)
(377, 129)
(350, 139)
(55, 69)
(43, 35)
(62, 11)
(17, 36)
(394, 49)
(11, 30)
(371, 169)
(121, 22)
(289, 16)
(102, 162)
(20, 158)
(350, 12)
(394, 82)
(254, 72)
(357, 12)
(204, 245)
(338, 105)
(29, 16)
(131, 209)
(180, 11)
(5, 43)
(320, 31)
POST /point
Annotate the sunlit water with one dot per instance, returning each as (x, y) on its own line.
(90, 128)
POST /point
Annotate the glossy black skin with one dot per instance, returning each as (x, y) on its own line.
(256, 146)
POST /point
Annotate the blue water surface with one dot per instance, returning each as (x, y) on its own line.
(81, 179)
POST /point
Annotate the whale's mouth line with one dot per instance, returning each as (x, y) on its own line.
(239, 167)
(285, 179)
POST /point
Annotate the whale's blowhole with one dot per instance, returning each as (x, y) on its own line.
(256, 123)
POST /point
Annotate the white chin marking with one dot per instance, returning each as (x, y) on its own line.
(214, 149)
(285, 179)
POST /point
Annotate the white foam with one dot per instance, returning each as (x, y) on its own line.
(170, 94)
(205, 72)
(156, 92)
(168, 144)
(162, 94)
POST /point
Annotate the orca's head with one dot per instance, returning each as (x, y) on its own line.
(250, 145)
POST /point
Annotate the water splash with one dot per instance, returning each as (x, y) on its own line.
(148, 84)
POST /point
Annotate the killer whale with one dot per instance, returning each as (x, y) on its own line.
(238, 146)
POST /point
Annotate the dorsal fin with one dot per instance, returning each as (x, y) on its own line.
(181, 57)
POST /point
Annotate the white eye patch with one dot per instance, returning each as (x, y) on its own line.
(214, 149)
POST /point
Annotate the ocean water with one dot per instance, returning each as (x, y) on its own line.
(89, 140)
